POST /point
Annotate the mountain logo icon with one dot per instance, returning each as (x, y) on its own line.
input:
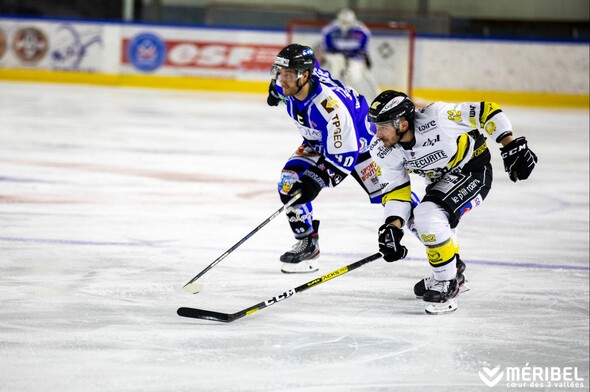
(491, 376)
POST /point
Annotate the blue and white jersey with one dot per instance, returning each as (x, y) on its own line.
(332, 120)
(351, 42)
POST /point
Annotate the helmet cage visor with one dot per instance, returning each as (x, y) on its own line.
(394, 122)
(289, 74)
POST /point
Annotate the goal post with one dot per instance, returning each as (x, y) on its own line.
(391, 50)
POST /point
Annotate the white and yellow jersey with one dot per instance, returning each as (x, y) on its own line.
(448, 136)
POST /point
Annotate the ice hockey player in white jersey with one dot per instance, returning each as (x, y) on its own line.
(446, 144)
(345, 45)
(332, 119)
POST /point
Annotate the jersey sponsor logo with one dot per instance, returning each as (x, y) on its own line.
(335, 177)
(463, 192)
(471, 204)
(382, 151)
(472, 120)
(430, 142)
(426, 127)
(363, 145)
(288, 179)
(337, 131)
(490, 127)
(455, 115)
(329, 104)
(480, 150)
(369, 171)
(428, 159)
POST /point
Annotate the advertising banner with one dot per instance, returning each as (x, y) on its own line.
(58, 46)
(219, 53)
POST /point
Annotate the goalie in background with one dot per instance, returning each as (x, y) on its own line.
(345, 46)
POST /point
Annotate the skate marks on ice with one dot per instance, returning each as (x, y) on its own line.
(110, 204)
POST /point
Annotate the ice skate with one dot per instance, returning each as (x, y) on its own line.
(302, 258)
(440, 298)
(426, 283)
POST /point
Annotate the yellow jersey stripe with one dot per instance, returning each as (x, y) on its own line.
(401, 193)
(462, 147)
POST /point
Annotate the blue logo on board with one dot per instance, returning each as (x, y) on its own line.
(146, 52)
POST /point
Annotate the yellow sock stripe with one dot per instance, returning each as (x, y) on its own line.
(442, 254)
(401, 193)
(462, 146)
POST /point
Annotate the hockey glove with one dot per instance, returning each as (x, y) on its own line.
(519, 160)
(273, 98)
(390, 243)
(311, 183)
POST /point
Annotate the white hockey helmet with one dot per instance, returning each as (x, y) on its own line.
(346, 17)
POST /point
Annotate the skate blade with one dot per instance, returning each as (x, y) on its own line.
(464, 288)
(303, 267)
(442, 308)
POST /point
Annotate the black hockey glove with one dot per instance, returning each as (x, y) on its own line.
(519, 160)
(273, 98)
(390, 243)
(311, 183)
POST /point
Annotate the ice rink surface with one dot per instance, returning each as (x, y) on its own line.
(112, 199)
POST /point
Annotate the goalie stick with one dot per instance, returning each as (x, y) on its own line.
(194, 288)
(229, 317)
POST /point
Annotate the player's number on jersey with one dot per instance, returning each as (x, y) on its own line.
(346, 162)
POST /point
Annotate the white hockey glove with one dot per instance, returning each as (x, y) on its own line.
(519, 160)
(390, 243)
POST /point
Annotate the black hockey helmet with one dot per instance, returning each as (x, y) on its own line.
(294, 56)
(390, 106)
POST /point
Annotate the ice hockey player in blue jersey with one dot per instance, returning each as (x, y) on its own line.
(332, 119)
(446, 144)
(345, 46)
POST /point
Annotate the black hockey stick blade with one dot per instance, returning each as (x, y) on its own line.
(229, 317)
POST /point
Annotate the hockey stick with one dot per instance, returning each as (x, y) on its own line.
(194, 288)
(229, 317)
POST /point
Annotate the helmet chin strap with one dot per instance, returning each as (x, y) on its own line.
(405, 145)
(300, 87)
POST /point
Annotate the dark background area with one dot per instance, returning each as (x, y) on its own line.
(277, 17)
